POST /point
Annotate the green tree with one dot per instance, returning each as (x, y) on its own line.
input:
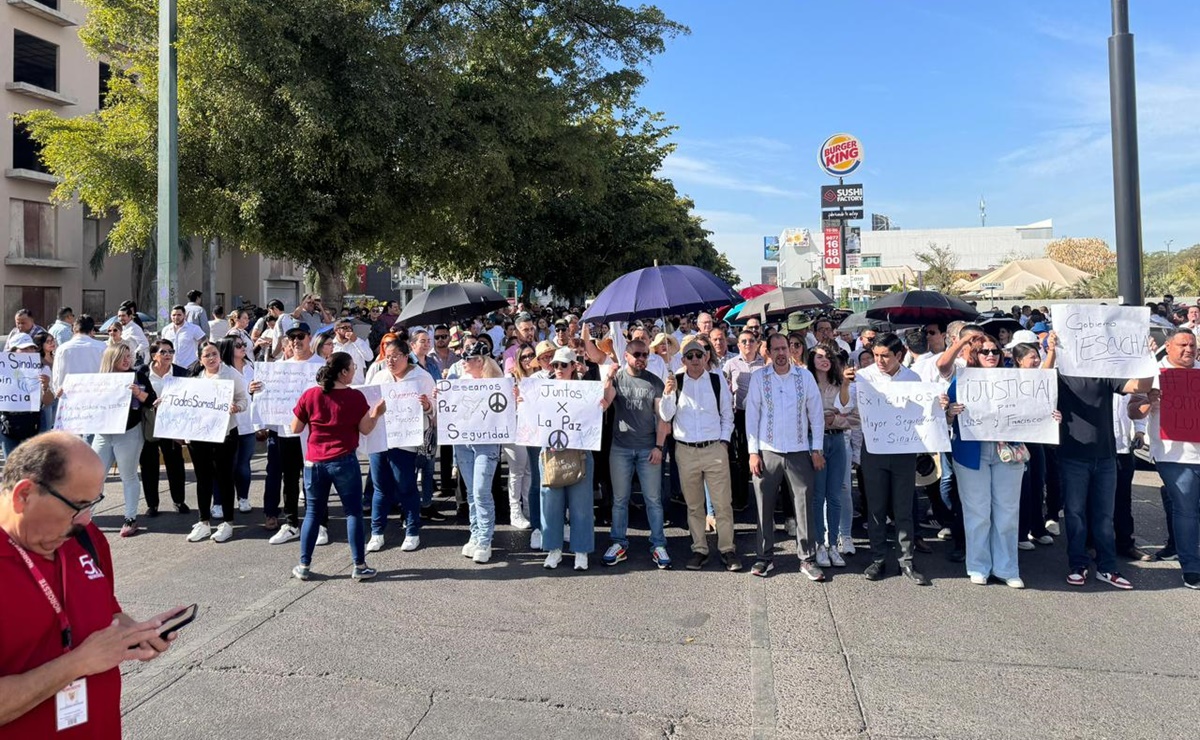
(941, 268)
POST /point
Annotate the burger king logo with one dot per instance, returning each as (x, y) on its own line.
(840, 155)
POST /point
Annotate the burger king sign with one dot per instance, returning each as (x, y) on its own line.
(840, 155)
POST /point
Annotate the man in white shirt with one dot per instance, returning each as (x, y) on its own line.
(195, 314)
(704, 323)
(684, 330)
(184, 336)
(345, 340)
(890, 479)
(1178, 462)
(1193, 319)
(269, 337)
(702, 425)
(218, 327)
(823, 332)
(785, 433)
(79, 354)
(131, 332)
(62, 328)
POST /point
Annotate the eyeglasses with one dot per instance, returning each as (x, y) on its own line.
(167, 352)
(993, 352)
(526, 358)
(79, 509)
(559, 365)
(693, 355)
(239, 345)
(441, 337)
(638, 355)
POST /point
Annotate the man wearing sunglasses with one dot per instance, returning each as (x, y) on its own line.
(640, 412)
(63, 634)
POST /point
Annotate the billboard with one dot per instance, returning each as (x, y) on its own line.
(853, 240)
(841, 196)
(770, 275)
(840, 155)
(833, 248)
(771, 248)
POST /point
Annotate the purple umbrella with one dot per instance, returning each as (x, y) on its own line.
(656, 291)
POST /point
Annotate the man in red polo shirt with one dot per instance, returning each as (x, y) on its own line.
(63, 635)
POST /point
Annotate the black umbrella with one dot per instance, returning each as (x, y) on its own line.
(856, 322)
(783, 301)
(921, 307)
(994, 325)
(453, 302)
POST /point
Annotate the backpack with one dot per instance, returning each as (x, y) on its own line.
(715, 378)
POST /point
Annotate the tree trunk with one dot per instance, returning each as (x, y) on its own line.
(330, 283)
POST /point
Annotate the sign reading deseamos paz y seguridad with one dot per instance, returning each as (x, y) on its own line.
(840, 155)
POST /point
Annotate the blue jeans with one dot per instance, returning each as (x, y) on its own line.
(394, 475)
(554, 503)
(827, 489)
(991, 501)
(126, 449)
(1183, 490)
(477, 465)
(622, 462)
(535, 486)
(241, 464)
(425, 465)
(1089, 491)
(344, 474)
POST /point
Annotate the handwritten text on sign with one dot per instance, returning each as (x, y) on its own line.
(1103, 341)
(94, 403)
(1008, 405)
(473, 411)
(283, 383)
(1179, 412)
(194, 409)
(20, 381)
(901, 418)
(560, 414)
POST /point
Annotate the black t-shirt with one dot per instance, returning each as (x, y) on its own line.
(1086, 405)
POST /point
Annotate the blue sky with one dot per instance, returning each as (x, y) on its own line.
(952, 99)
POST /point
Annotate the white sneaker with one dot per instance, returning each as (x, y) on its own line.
(581, 561)
(845, 546)
(410, 543)
(322, 536)
(553, 559)
(835, 558)
(482, 554)
(244, 505)
(375, 544)
(1015, 583)
(535, 540)
(945, 534)
(469, 549)
(1052, 527)
(1026, 545)
(224, 532)
(218, 511)
(1043, 540)
(519, 521)
(789, 526)
(286, 533)
(822, 556)
(978, 580)
(200, 531)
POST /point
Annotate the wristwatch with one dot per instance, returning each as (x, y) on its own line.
(658, 447)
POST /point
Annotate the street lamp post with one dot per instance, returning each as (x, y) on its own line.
(1126, 189)
(167, 292)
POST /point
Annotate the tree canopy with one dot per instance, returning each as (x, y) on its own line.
(455, 134)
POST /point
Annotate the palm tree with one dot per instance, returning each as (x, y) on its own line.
(1044, 292)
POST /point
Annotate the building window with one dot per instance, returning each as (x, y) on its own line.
(27, 153)
(43, 302)
(93, 305)
(105, 77)
(35, 61)
(33, 233)
(871, 261)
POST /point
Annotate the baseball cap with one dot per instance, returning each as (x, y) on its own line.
(1040, 327)
(479, 349)
(564, 354)
(299, 330)
(20, 341)
(1023, 336)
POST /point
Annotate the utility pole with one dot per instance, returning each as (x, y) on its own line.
(1169, 242)
(167, 292)
(1126, 188)
(982, 212)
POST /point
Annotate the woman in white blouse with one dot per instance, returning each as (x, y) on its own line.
(829, 493)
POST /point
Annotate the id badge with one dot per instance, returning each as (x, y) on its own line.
(72, 705)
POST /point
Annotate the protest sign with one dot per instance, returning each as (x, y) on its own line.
(560, 414)
(403, 422)
(20, 381)
(377, 440)
(900, 418)
(94, 403)
(474, 411)
(1007, 405)
(194, 409)
(1103, 341)
(1179, 411)
(283, 383)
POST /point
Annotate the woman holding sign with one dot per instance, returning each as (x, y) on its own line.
(989, 486)
(477, 463)
(214, 461)
(394, 471)
(235, 354)
(335, 415)
(126, 448)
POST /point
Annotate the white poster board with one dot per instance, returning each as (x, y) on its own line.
(902, 418)
(94, 403)
(283, 384)
(473, 411)
(1103, 341)
(376, 441)
(194, 409)
(560, 414)
(1007, 405)
(20, 381)
(403, 420)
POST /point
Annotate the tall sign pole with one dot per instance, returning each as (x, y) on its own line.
(839, 155)
(167, 290)
(1126, 189)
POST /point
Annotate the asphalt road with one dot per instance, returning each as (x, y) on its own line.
(438, 647)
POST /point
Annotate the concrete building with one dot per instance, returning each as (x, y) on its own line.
(979, 249)
(44, 65)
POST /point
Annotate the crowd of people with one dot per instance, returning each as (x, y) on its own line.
(718, 417)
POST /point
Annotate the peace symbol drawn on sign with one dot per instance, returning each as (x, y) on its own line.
(558, 440)
(498, 402)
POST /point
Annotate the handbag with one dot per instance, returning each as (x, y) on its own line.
(148, 415)
(428, 449)
(562, 468)
(20, 425)
(1012, 452)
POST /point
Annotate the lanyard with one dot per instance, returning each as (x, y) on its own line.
(63, 623)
